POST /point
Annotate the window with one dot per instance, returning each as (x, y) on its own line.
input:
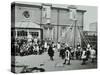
(34, 34)
(26, 14)
(21, 33)
(46, 11)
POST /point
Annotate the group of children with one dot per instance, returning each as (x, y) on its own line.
(65, 52)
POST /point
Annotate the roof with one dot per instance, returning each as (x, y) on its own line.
(56, 6)
(26, 24)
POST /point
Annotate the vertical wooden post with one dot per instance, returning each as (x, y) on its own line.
(57, 24)
(41, 30)
(75, 34)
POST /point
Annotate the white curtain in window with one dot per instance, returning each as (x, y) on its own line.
(47, 13)
(73, 14)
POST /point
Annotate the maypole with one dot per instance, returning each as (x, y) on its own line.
(73, 18)
(75, 33)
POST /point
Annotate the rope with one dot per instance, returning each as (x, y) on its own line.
(85, 40)
(62, 37)
(83, 37)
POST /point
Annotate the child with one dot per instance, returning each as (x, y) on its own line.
(92, 55)
(83, 57)
(67, 56)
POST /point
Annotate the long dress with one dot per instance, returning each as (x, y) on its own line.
(92, 53)
(50, 52)
(67, 55)
(83, 55)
